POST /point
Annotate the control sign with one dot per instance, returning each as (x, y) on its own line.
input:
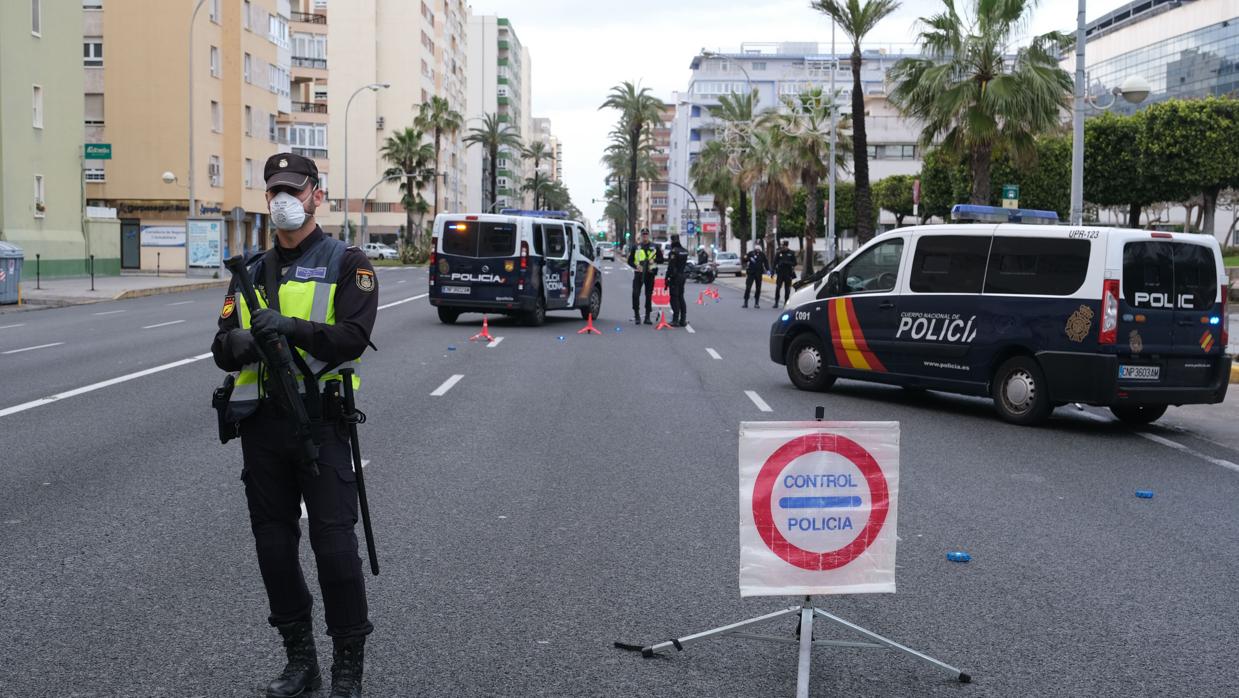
(818, 507)
(661, 297)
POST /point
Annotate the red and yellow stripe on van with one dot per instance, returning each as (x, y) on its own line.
(588, 284)
(848, 340)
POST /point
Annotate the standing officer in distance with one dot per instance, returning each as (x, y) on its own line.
(755, 265)
(784, 271)
(643, 259)
(295, 278)
(677, 260)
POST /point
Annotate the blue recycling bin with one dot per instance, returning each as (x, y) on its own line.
(11, 258)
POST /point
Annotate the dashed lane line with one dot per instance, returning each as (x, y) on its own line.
(19, 324)
(761, 404)
(714, 354)
(108, 312)
(402, 300)
(494, 342)
(1169, 443)
(447, 385)
(690, 329)
(97, 386)
(163, 324)
(181, 303)
(40, 346)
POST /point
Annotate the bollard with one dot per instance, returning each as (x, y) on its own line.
(92, 272)
(156, 264)
(38, 270)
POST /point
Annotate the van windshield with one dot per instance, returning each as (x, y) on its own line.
(479, 238)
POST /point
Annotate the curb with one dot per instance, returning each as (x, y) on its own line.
(161, 290)
(1234, 373)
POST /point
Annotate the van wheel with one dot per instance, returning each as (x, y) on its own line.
(537, 316)
(595, 304)
(1020, 393)
(806, 364)
(1138, 415)
(448, 316)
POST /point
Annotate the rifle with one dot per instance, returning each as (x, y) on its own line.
(353, 417)
(275, 354)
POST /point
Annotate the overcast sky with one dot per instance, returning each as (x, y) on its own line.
(580, 49)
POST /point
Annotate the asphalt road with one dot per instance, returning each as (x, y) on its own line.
(564, 494)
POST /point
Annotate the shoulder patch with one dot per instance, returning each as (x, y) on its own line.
(365, 280)
(230, 305)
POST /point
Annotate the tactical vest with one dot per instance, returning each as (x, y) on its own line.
(307, 291)
(644, 256)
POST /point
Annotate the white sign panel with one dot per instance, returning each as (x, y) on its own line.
(162, 236)
(204, 242)
(818, 507)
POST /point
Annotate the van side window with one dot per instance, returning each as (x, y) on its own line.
(556, 242)
(949, 264)
(877, 269)
(1037, 266)
(538, 231)
(587, 247)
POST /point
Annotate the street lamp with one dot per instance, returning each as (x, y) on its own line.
(193, 200)
(373, 87)
(1134, 90)
(748, 84)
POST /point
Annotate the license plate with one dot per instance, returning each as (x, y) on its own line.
(460, 290)
(1140, 373)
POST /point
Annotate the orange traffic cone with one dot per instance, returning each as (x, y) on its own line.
(485, 333)
(662, 322)
(701, 298)
(589, 327)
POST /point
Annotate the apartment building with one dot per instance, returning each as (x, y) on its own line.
(499, 83)
(137, 98)
(304, 126)
(551, 167)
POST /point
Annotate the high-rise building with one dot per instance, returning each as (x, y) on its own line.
(137, 88)
(499, 82)
(552, 166)
(41, 135)
(304, 127)
(417, 48)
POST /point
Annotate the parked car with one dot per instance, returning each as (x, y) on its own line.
(727, 263)
(608, 251)
(377, 250)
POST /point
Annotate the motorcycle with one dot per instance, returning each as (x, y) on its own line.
(701, 273)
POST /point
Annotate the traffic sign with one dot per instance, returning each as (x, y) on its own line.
(1010, 196)
(662, 294)
(818, 507)
(97, 151)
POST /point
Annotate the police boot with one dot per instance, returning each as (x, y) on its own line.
(346, 663)
(746, 303)
(301, 674)
(647, 320)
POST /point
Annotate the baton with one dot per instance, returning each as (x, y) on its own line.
(352, 417)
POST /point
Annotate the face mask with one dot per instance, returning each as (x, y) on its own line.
(287, 211)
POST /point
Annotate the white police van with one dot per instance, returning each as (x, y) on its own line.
(1033, 316)
(515, 263)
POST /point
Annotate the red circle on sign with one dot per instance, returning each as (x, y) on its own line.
(763, 489)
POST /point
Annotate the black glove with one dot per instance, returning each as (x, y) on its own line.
(267, 320)
(241, 346)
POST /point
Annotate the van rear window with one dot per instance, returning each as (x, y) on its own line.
(1037, 266)
(479, 239)
(1169, 275)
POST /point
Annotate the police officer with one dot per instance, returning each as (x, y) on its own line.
(677, 274)
(295, 279)
(702, 255)
(784, 272)
(644, 259)
(755, 265)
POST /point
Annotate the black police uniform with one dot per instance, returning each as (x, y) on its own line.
(755, 265)
(702, 256)
(677, 260)
(785, 272)
(643, 275)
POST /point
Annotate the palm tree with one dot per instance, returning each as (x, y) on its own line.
(438, 117)
(538, 185)
(771, 173)
(411, 157)
(737, 111)
(536, 151)
(492, 135)
(638, 110)
(856, 20)
(709, 175)
(971, 97)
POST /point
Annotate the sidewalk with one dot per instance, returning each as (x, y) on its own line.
(76, 290)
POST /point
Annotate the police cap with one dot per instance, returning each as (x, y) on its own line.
(289, 170)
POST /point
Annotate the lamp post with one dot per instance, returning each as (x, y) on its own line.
(373, 87)
(193, 200)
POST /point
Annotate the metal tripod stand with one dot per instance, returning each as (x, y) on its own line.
(807, 612)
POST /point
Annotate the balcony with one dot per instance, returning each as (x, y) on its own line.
(311, 63)
(307, 17)
(310, 107)
(310, 152)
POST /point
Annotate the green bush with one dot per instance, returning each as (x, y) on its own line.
(412, 254)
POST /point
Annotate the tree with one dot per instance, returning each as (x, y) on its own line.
(738, 114)
(770, 173)
(438, 118)
(638, 110)
(709, 175)
(970, 101)
(492, 135)
(409, 156)
(1044, 181)
(939, 171)
(1114, 169)
(536, 151)
(857, 20)
(894, 194)
(538, 185)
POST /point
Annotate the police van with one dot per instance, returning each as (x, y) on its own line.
(521, 263)
(1033, 316)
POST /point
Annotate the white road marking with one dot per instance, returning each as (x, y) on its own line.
(181, 303)
(447, 385)
(5, 327)
(402, 281)
(714, 354)
(494, 342)
(163, 324)
(41, 346)
(761, 404)
(402, 300)
(690, 329)
(97, 386)
(305, 514)
(1190, 451)
(109, 312)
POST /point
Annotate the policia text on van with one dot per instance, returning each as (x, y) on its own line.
(1035, 316)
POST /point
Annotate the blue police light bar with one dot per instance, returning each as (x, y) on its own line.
(996, 214)
(533, 214)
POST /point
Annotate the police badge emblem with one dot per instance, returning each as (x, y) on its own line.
(365, 280)
(283, 162)
(1137, 344)
(1079, 324)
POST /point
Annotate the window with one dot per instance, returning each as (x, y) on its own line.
(36, 17)
(37, 104)
(876, 270)
(215, 173)
(271, 127)
(247, 68)
(246, 12)
(949, 264)
(1037, 266)
(249, 120)
(92, 52)
(759, 65)
(217, 117)
(694, 135)
(1195, 276)
(94, 110)
(428, 14)
(460, 238)
(497, 240)
(214, 61)
(249, 173)
(583, 242)
(695, 111)
(214, 10)
(1164, 274)
(320, 94)
(38, 196)
(556, 241)
(92, 4)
